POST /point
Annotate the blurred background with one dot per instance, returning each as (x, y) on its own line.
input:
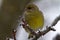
(50, 9)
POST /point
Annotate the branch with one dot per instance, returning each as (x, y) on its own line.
(40, 33)
(48, 29)
(14, 34)
(55, 21)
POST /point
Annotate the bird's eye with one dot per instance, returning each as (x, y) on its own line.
(29, 8)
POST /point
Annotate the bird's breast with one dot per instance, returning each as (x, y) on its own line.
(35, 22)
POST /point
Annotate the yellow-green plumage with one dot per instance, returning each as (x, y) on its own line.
(34, 17)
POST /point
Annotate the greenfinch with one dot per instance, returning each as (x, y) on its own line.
(10, 10)
(33, 17)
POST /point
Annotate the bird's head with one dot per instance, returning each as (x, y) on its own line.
(31, 8)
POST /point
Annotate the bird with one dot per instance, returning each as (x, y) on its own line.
(33, 17)
(10, 10)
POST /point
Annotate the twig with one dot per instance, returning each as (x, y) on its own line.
(40, 33)
(43, 32)
(37, 35)
(14, 34)
(55, 21)
(48, 29)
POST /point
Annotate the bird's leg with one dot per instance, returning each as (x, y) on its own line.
(14, 34)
